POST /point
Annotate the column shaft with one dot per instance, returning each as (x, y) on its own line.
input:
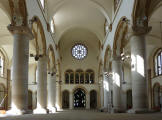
(52, 93)
(138, 72)
(42, 86)
(116, 69)
(20, 73)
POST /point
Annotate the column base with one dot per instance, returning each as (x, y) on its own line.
(117, 110)
(139, 111)
(52, 109)
(41, 111)
(18, 112)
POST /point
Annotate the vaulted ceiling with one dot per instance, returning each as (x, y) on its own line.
(84, 14)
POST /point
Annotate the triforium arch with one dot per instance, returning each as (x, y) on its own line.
(51, 59)
(107, 58)
(120, 40)
(40, 40)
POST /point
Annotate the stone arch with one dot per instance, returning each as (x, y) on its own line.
(39, 35)
(120, 37)
(106, 57)
(51, 59)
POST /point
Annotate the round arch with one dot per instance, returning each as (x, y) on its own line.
(38, 31)
(51, 59)
(119, 38)
(106, 57)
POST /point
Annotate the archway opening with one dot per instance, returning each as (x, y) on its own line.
(79, 98)
(30, 100)
(156, 94)
(2, 97)
(129, 99)
(93, 99)
(65, 100)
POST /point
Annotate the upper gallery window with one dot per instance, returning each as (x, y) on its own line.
(79, 51)
(42, 3)
(52, 26)
(158, 63)
(106, 27)
(1, 64)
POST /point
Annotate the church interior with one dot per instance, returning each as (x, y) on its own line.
(70, 59)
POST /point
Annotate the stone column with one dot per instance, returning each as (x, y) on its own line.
(58, 94)
(52, 93)
(101, 94)
(71, 100)
(106, 91)
(20, 62)
(41, 86)
(117, 78)
(138, 66)
(88, 101)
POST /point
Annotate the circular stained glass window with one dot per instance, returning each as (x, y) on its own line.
(79, 51)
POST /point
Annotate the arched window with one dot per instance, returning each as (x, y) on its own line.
(52, 25)
(42, 3)
(2, 59)
(89, 77)
(79, 77)
(158, 63)
(106, 27)
(69, 77)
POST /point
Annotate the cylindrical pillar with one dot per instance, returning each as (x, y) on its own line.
(106, 91)
(138, 73)
(41, 86)
(117, 78)
(20, 63)
(58, 93)
(52, 93)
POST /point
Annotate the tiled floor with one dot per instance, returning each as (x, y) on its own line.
(86, 115)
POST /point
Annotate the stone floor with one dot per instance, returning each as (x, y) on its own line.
(86, 115)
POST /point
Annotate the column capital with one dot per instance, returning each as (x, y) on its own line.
(20, 30)
(140, 30)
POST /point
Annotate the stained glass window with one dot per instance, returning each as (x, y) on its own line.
(79, 51)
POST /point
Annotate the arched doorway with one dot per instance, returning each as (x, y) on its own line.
(65, 99)
(30, 99)
(93, 99)
(156, 94)
(129, 99)
(79, 98)
(2, 97)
